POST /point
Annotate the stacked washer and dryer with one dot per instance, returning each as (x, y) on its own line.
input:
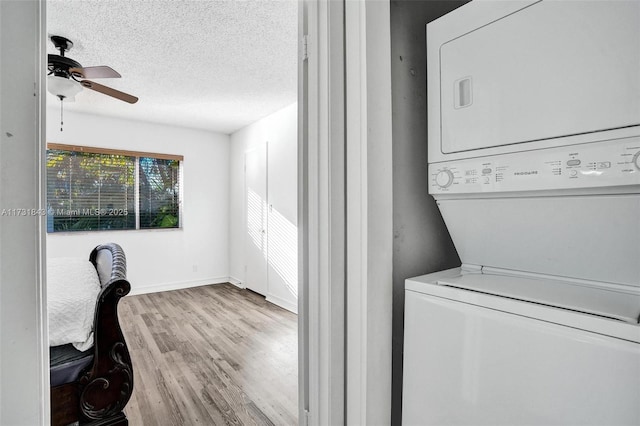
(534, 162)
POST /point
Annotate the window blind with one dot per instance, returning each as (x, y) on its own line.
(90, 191)
(101, 189)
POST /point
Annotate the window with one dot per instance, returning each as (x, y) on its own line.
(159, 192)
(93, 189)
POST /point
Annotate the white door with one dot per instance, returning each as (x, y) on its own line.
(255, 235)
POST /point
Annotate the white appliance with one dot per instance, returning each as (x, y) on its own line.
(534, 161)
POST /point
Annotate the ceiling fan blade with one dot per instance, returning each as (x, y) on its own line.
(102, 71)
(109, 91)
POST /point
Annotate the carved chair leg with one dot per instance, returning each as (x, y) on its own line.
(64, 404)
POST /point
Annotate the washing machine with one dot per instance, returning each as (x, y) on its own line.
(492, 348)
(534, 163)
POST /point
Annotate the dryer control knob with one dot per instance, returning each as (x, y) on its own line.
(636, 160)
(444, 178)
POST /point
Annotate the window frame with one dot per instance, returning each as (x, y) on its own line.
(137, 155)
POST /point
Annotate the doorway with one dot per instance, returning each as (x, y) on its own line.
(275, 223)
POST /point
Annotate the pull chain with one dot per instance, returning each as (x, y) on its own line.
(61, 110)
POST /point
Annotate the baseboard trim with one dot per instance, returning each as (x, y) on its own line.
(237, 282)
(292, 307)
(156, 288)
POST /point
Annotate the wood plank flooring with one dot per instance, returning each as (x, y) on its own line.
(211, 355)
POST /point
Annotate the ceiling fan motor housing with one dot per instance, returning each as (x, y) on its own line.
(60, 65)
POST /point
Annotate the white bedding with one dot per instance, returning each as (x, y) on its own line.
(72, 290)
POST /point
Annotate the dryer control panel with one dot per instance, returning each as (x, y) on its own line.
(597, 164)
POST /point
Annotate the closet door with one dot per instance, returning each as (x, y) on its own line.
(255, 235)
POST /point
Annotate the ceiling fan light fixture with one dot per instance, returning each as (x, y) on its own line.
(63, 87)
(64, 73)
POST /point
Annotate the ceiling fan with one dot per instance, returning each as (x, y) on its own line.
(67, 77)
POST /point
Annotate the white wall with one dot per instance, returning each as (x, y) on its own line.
(23, 353)
(167, 259)
(280, 131)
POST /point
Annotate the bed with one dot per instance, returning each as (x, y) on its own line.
(91, 380)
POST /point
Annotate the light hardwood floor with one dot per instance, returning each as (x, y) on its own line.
(210, 355)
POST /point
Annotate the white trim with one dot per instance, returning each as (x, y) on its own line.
(237, 282)
(322, 214)
(356, 350)
(311, 281)
(304, 44)
(369, 212)
(178, 285)
(285, 304)
(334, 296)
(42, 311)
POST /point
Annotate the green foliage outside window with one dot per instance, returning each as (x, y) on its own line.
(159, 193)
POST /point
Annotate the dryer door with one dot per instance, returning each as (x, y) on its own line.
(553, 69)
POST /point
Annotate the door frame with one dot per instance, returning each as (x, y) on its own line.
(345, 212)
(324, 359)
(321, 213)
(25, 335)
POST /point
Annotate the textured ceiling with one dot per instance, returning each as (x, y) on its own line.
(211, 64)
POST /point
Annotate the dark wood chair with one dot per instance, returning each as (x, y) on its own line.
(93, 387)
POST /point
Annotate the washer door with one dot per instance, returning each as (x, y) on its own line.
(469, 365)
